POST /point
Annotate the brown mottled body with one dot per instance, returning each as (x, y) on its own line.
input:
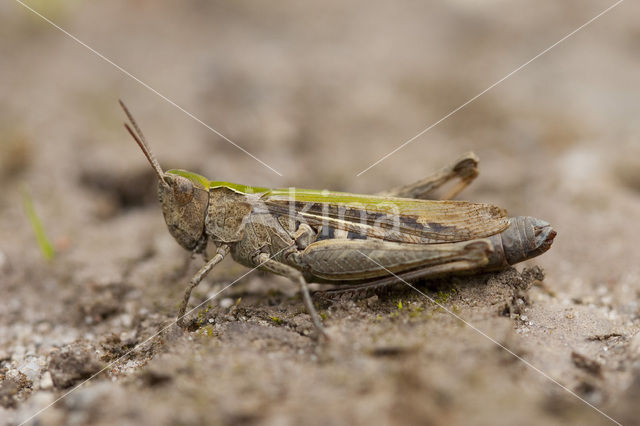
(342, 238)
(260, 232)
(345, 258)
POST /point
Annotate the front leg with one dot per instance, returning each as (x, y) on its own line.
(465, 168)
(222, 251)
(265, 262)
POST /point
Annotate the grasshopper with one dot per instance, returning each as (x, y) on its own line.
(343, 238)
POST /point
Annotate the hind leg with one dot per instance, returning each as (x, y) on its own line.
(464, 170)
(293, 274)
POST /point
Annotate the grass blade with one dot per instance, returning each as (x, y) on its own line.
(45, 245)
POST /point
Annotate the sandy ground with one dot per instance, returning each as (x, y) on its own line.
(319, 92)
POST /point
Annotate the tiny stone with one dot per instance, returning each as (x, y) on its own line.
(18, 353)
(126, 320)
(30, 368)
(226, 303)
(371, 301)
(71, 365)
(634, 345)
(43, 328)
(46, 382)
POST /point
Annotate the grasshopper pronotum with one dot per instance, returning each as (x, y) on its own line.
(342, 238)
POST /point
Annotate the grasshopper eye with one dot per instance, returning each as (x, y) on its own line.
(183, 191)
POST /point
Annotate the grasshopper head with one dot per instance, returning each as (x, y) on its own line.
(184, 196)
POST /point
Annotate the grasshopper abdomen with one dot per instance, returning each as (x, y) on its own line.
(525, 238)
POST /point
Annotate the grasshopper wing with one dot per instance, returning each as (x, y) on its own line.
(388, 218)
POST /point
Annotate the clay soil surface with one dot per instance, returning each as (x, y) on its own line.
(317, 91)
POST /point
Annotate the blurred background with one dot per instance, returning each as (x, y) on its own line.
(318, 92)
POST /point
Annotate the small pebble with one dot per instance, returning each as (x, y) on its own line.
(226, 302)
(634, 344)
(30, 368)
(18, 353)
(43, 328)
(126, 320)
(46, 382)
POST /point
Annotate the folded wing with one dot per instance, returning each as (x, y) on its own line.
(387, 218)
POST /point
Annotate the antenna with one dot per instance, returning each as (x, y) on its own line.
(138, 136)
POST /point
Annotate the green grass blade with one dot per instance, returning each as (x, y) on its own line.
(45, 245)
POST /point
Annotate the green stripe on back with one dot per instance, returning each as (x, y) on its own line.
(193, 177)
(318, 196)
